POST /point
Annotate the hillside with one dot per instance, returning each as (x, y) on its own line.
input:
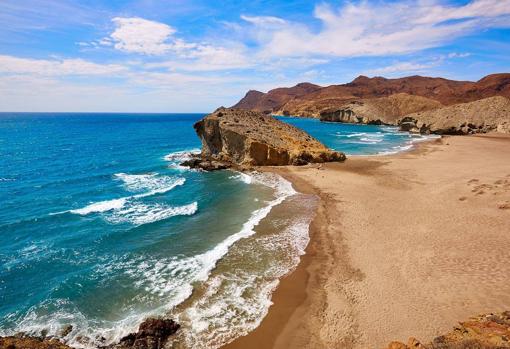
(310, 100)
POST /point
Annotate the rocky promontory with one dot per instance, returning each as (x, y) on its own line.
(243, 139)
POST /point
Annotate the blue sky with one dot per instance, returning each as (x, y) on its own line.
(195, 55)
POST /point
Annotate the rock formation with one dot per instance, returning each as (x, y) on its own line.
(239, 138)
(383, 110)
(488, 331)
(485, 115)
(153, 333)
(312, 100)
(22, 342)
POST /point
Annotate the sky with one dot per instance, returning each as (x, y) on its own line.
(197, 55)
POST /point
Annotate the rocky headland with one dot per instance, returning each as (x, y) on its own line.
(244, 139)
(421, 104)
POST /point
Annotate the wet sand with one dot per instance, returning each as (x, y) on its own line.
(403, 245)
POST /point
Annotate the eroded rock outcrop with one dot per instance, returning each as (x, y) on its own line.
(22, 342)
(240, 138)
(379, 111)
(481, 332)
(482, 116)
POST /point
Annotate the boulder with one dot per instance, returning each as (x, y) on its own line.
(243, 139)
(153, 333)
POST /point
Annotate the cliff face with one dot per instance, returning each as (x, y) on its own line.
(247, 138)
(485, 115)
(384, 110)
(313, 101)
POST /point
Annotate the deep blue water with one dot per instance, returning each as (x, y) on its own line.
(100, 227)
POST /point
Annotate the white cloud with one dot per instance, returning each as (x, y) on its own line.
(55, 67)
(263, 20)
(140, 35)
(459, 55)
(400, 67)
(380, 28)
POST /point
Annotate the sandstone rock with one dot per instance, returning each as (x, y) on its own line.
(489, 331)
(379, 111)
(485, 115)
(239, 138)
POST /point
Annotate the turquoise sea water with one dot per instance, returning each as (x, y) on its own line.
(101, 227)
(354, 139)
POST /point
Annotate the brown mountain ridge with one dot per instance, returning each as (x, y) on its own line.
(307, 99)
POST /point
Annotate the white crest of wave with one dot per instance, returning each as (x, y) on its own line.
(102, 206)
(150, 181)
(135, 182)
(139, 214)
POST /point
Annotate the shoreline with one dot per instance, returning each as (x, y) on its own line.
(301, 300)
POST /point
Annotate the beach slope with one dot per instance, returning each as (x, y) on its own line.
(402, 246)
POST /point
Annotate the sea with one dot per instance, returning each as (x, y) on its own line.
(101, 227)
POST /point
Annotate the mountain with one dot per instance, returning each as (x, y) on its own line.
(274, 99)
(310, 100)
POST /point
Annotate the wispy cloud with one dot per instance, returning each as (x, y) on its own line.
(55, 67)
(381, 28)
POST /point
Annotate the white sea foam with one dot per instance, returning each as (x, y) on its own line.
(181, 155)
(246, 178)
(139, 213)
(172, 279)
(155, 185)
(102, 206)
(150, 182)
(235, 302)
(176, 158)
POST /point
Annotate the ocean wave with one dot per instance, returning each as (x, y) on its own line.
(182, 155)
(134, 182)
(169, 280)
(101, 206)
(234, 302)
(151, 182)
(139, 213)
(176, 158)
(243, 177)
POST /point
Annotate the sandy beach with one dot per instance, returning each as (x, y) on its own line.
(402, 245)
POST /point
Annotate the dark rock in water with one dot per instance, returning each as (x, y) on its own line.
(152, 334)
(20, 342)
(206, 165)
(243, 139)
(66, 330)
